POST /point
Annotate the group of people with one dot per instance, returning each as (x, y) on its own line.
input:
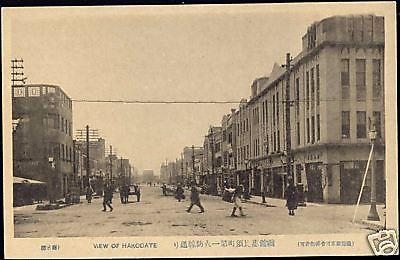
(234, 195)
(108, 194)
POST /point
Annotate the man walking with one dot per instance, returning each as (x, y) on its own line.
(195, 199)
(89, 193)
(107, 198)
(236, 194)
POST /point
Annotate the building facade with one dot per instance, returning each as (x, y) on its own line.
(337, 95)
(42, 139)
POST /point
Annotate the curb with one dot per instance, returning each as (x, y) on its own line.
(259, 203)
(373, 226)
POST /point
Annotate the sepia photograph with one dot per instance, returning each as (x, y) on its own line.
(207, 127)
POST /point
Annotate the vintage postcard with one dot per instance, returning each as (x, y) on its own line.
(200, 131)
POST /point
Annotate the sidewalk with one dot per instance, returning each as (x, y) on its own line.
(363, 210)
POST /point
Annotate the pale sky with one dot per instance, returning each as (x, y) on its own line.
(172, 53)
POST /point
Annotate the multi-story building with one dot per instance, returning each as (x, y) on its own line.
(192, 163)
(243, 144)
(336, 88)
(124, 171)
(212, 159)
(228, 148)
(42, 140)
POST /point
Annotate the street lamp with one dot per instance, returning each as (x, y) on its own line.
(373, 214)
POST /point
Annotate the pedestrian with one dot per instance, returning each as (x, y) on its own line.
(137, 191)
(122, 194)
(164, 189)
(107, 199)
(126, 193)
(291, 198)
(195, 199)
(89, 193)
(236, 194)
(179, 192)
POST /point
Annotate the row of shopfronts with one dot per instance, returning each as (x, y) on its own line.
(322, 181)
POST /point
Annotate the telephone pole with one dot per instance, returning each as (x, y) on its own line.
(111, 163)
(182, 169)
(17, 74)
(193, 168)
(86, 136)
(212, 161)
(287, 121)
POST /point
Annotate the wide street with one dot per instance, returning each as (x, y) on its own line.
(157, 215)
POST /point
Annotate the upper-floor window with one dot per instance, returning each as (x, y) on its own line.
(317, 85)
(360, 79)
(312, 129)
(298, 133)
(345, 78)
(345, 124)
(378, 123)
(361, 124)
(297, 89)
(312, 87)
(308, 90)
(318, 128)
(376, 78)
(308, 130)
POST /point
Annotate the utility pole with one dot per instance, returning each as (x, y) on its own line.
(86, 136)
(182, 168)
(122, 172)
(193, 168)
(373, 213)
(17, 74)
(287, 121)
(87, 153)
(111, 163)
(212, 160)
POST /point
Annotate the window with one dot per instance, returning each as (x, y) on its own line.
(360, 79)
(297, 89)
(318, 81)
(273, 110)
(279, 141)
(312, 87)
(62, 152)
(318, 128)
(312, 129)
(345, 124)
(308, 90)
(308, 130)
(248, 151)
(298, 133)
(376, 78)
(274, 141)
(345, 78)
(277, 108)
(62, 124)
(247, 124)
(223, 135)
(70, 129)
(378, 124)
(361, 124)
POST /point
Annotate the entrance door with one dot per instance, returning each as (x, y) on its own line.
(278, 186)
(314, 182)
(350, 185)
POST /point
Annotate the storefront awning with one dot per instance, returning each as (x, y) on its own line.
(19, 180)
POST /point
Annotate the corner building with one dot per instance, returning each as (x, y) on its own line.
(337, 93)
(42, 140)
